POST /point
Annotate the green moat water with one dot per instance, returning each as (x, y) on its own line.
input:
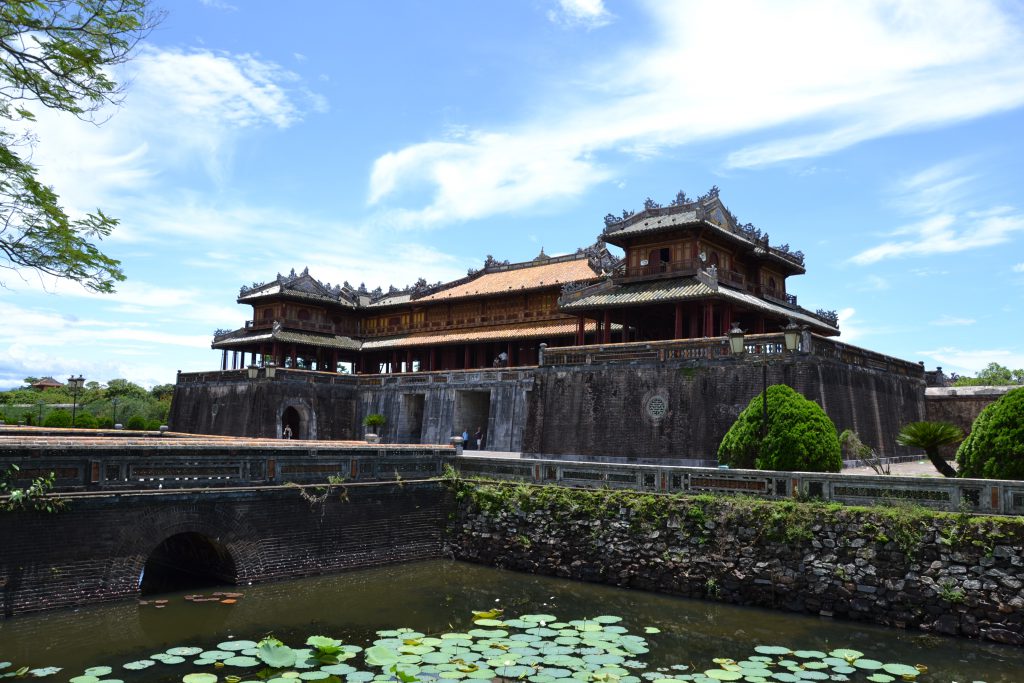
(439, 596)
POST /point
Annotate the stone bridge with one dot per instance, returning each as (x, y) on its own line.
(160, 513)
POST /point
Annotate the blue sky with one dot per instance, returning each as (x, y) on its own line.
(386, 141)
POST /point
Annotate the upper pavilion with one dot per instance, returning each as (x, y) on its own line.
(689, 270)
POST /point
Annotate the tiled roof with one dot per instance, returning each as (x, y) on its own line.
(519, 279)
(47, 382)
(655, 223)
(682, 289)
(541, 331)
(240, 338)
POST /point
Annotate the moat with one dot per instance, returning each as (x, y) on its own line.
(439, 596)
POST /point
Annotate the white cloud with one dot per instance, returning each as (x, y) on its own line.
(845, 72)
(874, 283)
(850, 329)
(947, 234)
(939, 197)
(951, 321)
(1018, 268)
(966, 361)
(587, 13)
(182, 109)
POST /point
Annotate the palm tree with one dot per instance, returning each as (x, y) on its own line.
(929, 437)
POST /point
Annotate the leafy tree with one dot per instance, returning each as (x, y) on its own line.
(162, 392)
(58, 54)
(121, 388)
(929, 437)
(136, 422)
(800, 436)
(994, 375)
(995, 447)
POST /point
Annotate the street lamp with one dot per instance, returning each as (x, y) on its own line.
(737, 344)
(75, 383)
(40, 404)
(113, 417)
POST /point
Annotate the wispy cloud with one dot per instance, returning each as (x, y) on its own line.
(1018, 268)
(952, 321)
(586, 13)
(945, 222)
(971, 361)
(184, 109)
(841, 73)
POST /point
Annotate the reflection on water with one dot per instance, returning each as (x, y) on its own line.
(439, 596)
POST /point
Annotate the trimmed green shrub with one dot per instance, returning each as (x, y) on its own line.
(800, 438)
(995, 447)
(105, 422)
(153, 425)
(136, 422)
(85, 421)
(58, 418)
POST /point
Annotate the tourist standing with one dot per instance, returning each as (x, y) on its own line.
(478, 439)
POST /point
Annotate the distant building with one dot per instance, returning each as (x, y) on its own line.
(46, 383)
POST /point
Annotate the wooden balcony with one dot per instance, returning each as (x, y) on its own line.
(293, 324)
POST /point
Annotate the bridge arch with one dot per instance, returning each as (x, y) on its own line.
(210, 543)
(187, 560)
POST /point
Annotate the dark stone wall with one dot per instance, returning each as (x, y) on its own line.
(226, 404)
(960, 405)
(938, 573)
(97, 549)
(600, 409)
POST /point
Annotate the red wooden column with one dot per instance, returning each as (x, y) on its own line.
(408, 360)
(693, 322)
(726, 318)
(276, 353)
(511, 358)
(394, 362)
(334, 361)
(606, 332)
(295, 357)
(432, 362)
(466, 361)
(581, 330)
(709, 320)
(679, 321)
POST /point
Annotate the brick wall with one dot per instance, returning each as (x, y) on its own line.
(97, 550)
(601, 410)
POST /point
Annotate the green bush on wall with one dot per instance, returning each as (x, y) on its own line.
(136, 422)
(995, 447)
(58, 418)
(85, 421)
(800, 438)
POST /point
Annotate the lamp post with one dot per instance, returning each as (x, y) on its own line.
(75, 383)
(737, 345)
(113, 417)
(40, 404)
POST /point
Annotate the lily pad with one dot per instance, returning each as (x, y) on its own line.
(199, 678)
(139, 665)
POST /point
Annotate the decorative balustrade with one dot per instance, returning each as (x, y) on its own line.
(951, 495)
(718, 347)
(117, 463)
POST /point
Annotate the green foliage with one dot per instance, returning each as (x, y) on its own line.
(995, 447)
(57, 54)
(58, 418)
(994, 375)
(84, 420)
(800, 436)
(855, 449)
(36, 497)
(136, 422)
(929, 437)
(374, 420)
